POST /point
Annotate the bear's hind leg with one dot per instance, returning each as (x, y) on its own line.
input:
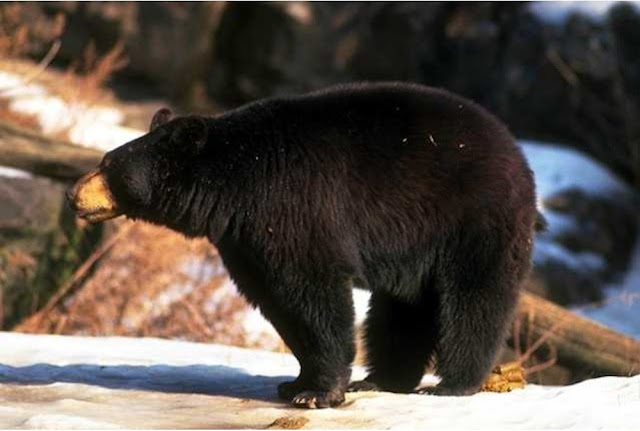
(477, 298)
(400, 339)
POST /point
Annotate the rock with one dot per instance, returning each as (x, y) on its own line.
(604, 225)
(40, 245)
(28, 205)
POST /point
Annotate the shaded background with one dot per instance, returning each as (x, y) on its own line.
(566, 77)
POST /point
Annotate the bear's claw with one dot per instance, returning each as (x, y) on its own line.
(306, 398)
(317, 399)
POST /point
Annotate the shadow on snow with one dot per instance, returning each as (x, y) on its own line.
(197, 379)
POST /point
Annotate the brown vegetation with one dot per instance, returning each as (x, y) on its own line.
(150, 282)
(23, 33)
(85, 78)
(20, 35)
(22, 120)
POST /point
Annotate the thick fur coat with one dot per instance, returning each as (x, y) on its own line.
(416, 194)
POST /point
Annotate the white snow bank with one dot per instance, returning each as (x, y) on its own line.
(560, 168)
(49, 381)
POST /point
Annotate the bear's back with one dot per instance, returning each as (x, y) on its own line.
(408, 142)
(371, 160)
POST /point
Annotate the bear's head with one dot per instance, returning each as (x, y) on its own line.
(139, 178)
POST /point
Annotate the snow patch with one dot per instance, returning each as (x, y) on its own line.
(200, 269)
(259, 331)
(559, 168)
(6, 171)
(87, 125)
(545, 251)
(56, 422)
(14, 86)
(622, 301)
(557, 12)
(361, 304)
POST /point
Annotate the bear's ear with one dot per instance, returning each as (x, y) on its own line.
(163, 115)
(191, 133)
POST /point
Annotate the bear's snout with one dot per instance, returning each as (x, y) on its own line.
(91, 198)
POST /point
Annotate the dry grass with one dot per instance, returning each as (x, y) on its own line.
(85, 78)
(525, 350)
(22, 34)
(18, 34)
(153, 282)
(63, 84)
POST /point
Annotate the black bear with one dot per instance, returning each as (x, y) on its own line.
(416, 194)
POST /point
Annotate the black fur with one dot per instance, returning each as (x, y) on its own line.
(412, 192)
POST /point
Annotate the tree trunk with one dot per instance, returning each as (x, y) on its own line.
(33, 152)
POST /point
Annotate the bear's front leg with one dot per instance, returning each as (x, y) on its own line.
(316, 323)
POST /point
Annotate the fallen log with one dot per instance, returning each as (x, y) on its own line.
(580, 345)
(40, 155)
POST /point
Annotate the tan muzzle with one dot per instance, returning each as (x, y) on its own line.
(91, 198)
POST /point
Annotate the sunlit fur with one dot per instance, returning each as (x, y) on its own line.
(414, 193)
(92, 199)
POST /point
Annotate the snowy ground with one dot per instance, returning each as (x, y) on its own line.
(49, 382)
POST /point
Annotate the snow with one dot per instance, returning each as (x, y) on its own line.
(258, 330)
(49, 381)
(557, 12)
(88, 125)
(361, 303)
(6, 171)
(621, 309)
(14, 86)
(559, 168)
